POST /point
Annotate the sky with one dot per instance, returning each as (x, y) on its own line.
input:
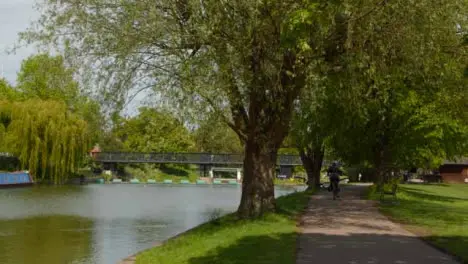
(15, 16)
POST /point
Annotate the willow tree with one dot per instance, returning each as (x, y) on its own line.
(245, 60)
(48, 140)
(7, 92)
(48, 77)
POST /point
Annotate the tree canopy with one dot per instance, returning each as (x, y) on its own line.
(393, 96)
(6, 91)
(244, 60)
(49, 140)
(213, 135)
(249, 61)
(154, 131)
(401, 88)
(46, 120)
(46, 77)
(49, 78)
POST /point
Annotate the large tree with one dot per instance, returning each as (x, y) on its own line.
(397, 84)
(213, 135)
(384, 100)
(48, 77)
(46, 120)
(7, 92)
(48, 140)
(153, 131)
(247, 61)
(309, 132)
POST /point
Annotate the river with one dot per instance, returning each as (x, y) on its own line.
(102, 224)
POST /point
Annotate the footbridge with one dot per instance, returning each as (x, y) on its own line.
(186, 158)
(208, 162)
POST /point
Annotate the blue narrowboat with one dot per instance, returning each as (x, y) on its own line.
(15, 179)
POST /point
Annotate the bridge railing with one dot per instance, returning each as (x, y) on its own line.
(185, 158)
(289, 160)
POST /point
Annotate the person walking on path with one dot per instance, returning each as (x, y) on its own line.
(355, 232)
(334, 174)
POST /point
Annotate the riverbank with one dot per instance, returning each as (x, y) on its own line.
(438, 213)
(271, 239)
(352, 230)
(173, 174)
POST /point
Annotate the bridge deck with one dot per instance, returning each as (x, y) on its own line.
(185, 158)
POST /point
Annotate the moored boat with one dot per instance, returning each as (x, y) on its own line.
(15, 179)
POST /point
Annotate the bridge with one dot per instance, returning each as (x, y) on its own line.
(186, 158)
(207, 162)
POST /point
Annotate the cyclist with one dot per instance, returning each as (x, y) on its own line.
(334, 174)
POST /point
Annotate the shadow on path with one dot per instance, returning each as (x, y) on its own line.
(328, 249)
(352, 230)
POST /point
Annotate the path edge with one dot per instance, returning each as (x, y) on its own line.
(132, 258)
(422, 237)
(300, 222)
(418, 235)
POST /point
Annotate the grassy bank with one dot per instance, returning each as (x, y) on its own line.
(439, 213)
(287, 182)
(176, 173)
(168, 172)
(271, 239)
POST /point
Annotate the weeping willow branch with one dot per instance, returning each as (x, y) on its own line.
(49, 141)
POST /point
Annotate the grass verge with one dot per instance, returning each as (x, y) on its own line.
(436, 212)
(270, 239)
(291, 181)
(167, 172)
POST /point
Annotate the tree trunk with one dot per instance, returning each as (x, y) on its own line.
(312, 159)
(266, 123)
(380, 163)
(258, 192)
(379, 170)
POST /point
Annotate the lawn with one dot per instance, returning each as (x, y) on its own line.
(168, 172)
(439, 213)
(271, 239)
(291, 181)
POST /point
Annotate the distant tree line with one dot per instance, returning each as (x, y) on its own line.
(376, 83)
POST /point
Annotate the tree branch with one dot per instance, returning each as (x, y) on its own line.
(378, 5)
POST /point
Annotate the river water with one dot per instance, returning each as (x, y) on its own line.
(102, 224)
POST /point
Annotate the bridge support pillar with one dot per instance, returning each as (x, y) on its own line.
(110, 166)
(286, 170)
(202, 170)
(206, 170)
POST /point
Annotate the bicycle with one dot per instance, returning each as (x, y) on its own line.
(335, 189)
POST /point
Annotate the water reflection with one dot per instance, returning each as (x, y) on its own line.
(51, 239)
(102, 223)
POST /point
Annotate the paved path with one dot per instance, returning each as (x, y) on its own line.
(352, 231)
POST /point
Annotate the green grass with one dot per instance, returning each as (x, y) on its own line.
(439, 213)
(290, 181)
(168, 172)
(227, 240)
